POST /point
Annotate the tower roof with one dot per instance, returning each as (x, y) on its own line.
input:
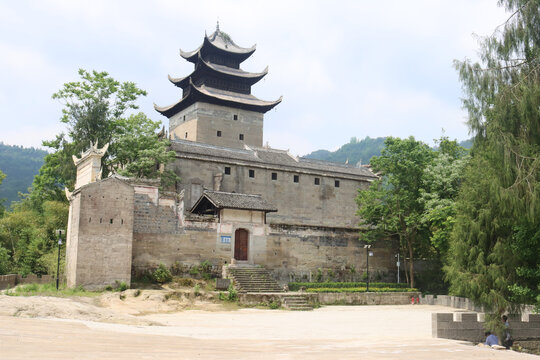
(219, 97)
(219, 70)
(219, 42)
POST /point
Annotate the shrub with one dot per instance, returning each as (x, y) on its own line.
(274, 304)
(162, 275)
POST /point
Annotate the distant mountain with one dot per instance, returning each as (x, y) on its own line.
(20, 166)
(360, 151)
(355, 151)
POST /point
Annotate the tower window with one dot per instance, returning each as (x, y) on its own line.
(184, 117)
(317, 181)
(219, 133)
(296, 178)
(336, 183)
(241, 136)
(274, 176)
(227, 170)
(235, 117)
(186, 136)
(251, 173)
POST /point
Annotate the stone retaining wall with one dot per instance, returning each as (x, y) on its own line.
(335, 298)
(9, 281)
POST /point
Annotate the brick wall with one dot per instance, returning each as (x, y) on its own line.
(152, 218)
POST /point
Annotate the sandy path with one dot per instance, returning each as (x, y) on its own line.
(337, 332)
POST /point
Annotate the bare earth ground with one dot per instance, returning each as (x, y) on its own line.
(151, 327)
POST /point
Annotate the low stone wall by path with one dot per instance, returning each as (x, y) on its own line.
(369, 298)
(9, 281)
(470, 326)
(462, 303)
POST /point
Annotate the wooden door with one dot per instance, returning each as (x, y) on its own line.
(241, 244)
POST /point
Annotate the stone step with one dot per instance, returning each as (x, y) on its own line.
(296, 303)
(250, 279)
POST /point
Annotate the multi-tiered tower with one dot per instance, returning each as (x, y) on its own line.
(217, 106)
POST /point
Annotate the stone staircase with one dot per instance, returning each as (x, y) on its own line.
(296, 302)
(253, 280)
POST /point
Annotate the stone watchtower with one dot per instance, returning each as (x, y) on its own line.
(217, 106)
(100, 225)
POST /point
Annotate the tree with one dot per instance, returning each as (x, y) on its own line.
(440, 186)
(95, 110)
(498, 208)
(2, 177)
(392, 206)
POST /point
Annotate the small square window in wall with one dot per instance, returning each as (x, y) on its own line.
(274, 176)
(235, 117)
(227, 170)
(296, 178)
(219, 133)
(241, 136)
(251, 173)
(336, 183)
(317, 181)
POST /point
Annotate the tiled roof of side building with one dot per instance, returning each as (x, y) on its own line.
(267, 157)
(227, 200)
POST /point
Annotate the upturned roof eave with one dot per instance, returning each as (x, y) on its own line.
(199, 94)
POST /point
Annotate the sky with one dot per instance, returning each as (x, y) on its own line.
(344, 68)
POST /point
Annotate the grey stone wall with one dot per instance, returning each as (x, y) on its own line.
(470, 326)
(202, 121)
(292, 253)
(100, 235)
(150, 218)
(302, 203)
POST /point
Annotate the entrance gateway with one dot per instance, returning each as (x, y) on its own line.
(241, 244)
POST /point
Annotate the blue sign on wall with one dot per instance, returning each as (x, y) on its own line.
(225, 239)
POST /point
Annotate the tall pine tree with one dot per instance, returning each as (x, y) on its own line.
(495, 244)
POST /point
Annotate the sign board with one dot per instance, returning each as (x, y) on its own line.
(225, 239)
(370, 253)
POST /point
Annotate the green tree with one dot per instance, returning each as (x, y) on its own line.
(440, 186)
(498, 208)
(95, 110)
(2, 177)
(392, 206)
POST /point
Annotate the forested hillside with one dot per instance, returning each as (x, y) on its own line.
(360, 151)
(355, 151)
(20, 165)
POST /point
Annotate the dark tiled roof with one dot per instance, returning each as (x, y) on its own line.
(266, 157)
(226, 200)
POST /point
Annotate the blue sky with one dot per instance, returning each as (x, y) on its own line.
(344, 68)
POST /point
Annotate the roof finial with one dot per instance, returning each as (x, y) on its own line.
(217, 26)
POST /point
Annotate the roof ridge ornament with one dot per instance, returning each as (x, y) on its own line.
(217, 26)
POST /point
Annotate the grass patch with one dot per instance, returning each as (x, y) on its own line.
(50, 290)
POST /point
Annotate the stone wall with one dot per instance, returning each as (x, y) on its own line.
(298, 203)
(291, 253)
(99, 244)
(11, 280)
(201, 121)
(470, 326)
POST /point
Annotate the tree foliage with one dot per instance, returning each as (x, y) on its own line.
(498, 211)
(95, 109)
(392, 206)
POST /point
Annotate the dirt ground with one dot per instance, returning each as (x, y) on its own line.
(151, 326)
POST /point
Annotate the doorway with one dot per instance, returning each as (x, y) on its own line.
(241, 244)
